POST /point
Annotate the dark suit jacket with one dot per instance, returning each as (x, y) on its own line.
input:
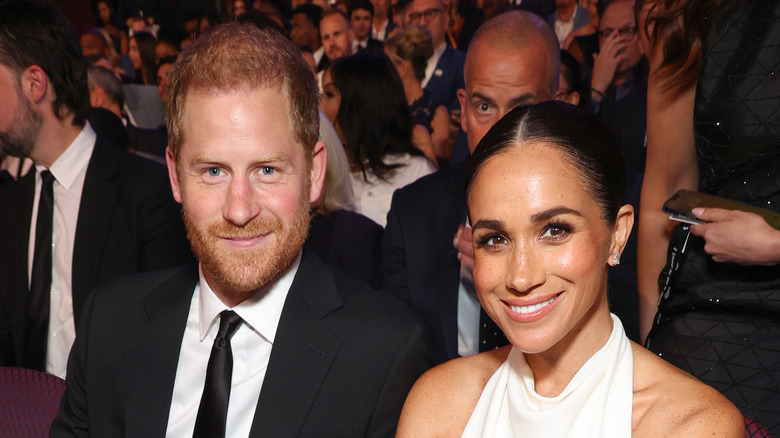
(447, 79)
(350, 242)
(342, 363)
(128, 222)
(419, 263)
(373, 46)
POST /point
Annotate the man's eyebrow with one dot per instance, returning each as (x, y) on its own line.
(478, 95)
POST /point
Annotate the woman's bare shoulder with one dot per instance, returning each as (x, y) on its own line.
(670, 402)
(442, 399)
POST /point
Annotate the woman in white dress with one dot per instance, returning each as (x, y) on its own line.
(364, 99)
(544, 190)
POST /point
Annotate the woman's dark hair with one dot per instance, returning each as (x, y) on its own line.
(586, 142)
(680, 27)
(146, 44)
(373, 114)
(33, 33)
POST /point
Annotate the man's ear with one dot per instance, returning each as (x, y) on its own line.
(319, 165)
(462, 100)
(173, 174)
(621, 232)
(35, 82)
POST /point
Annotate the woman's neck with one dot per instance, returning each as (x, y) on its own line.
(554, 368)
(413, 90)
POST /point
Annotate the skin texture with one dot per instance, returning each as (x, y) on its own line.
(727, 241)
(163, 81)
(360, 22)
(538, 235)
(437, 25)
(27, 114)
(331, 99)
(304, 33)
(135, 55)
(19, 123)
(496, 82)
(245, 187)
(619, 54)
(671, 165)
(336, 36)
(92, 44)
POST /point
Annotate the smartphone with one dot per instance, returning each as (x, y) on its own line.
(679, 207)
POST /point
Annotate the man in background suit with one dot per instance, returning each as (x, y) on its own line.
(304, 350)
(444, 74)
(361, 17)
(513, 59)
(87, 213)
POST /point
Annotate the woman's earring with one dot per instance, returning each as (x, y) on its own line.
(615, 259)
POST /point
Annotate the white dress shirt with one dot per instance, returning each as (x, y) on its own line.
(430, 68)
(251, 346)
(69, 171)
(373, 197)
(468, 312)
(381, 33)
(318, 54)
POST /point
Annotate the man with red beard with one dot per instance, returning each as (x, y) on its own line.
(262, 339)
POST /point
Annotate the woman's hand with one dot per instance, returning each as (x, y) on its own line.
(734, 236)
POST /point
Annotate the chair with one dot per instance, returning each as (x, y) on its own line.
(29, 400)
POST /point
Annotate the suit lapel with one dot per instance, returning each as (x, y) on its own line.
(303, 350)
(447, 265)
(153, 358)
(98, 199)
(17, 217)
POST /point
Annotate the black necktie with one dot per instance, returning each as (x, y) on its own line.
(212, 413)
(40, 282)
(490, 335)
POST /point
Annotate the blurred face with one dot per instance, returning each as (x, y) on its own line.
(361, 23)
(245, 187)
(163, 81)
(135, 55)
(163, 49)
(239, 7)
(496, 82)
(430, 14)
(334, 32)
(19, 123)
(331, 98)
(303, 32)
(541, 249)
(381, 7)
(92, 44)
(618, 22)
(104, 12)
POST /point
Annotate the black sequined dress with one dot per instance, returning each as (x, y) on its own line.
(717, 321)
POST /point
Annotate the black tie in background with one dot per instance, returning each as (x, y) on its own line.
(490, 335)
(212, 413)
(40, 282)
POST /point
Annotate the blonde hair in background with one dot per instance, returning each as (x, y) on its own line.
(413, 44)
(338, 183)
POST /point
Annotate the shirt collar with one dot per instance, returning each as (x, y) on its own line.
(74, 160)
(261, 311)
(318, 54)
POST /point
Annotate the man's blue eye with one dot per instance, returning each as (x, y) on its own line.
(214, 171)
(267, 170)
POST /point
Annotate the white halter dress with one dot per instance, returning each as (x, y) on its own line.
(596, 403)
